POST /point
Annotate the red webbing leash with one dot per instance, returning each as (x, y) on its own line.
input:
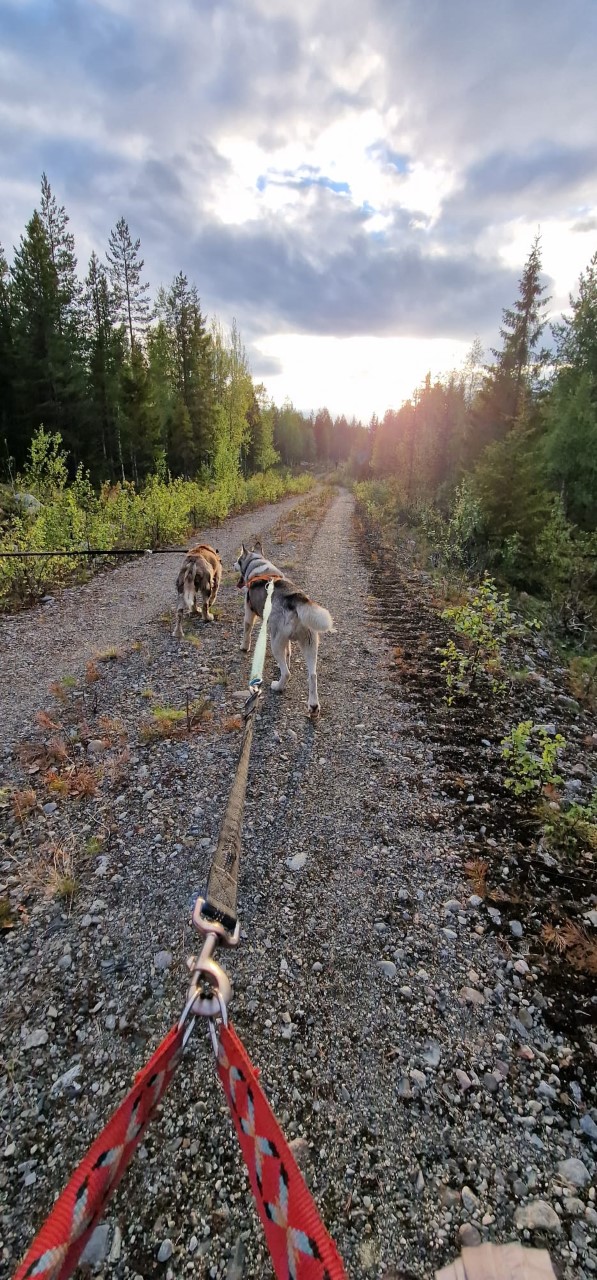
(57, 1248)
(299, 1244)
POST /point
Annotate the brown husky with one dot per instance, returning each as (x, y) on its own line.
(200, 575)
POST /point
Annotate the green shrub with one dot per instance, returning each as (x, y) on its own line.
(75, 517)
(531, 754)
(485, 623)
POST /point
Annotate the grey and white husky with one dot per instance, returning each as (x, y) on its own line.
(293, 617)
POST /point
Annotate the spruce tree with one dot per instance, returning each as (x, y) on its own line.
(36, 336)
(130, 293)
(105, 360)
(61, 241)
(515, 376)
(8, 438)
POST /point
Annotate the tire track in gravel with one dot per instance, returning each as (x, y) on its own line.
(397, 1042)
(49, 641)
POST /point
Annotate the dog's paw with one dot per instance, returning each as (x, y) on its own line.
(277, 686)
(314, 713)
(244, 648)
(210, 618)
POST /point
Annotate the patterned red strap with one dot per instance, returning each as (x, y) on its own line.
(58, 1246)
(299, 1244)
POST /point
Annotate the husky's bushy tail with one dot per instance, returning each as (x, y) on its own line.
(314, 617)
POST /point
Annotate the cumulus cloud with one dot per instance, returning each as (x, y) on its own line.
(318, 169)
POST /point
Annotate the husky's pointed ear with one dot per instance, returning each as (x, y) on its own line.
(258, 546)
(243, 549)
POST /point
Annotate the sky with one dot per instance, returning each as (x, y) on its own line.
(357, 182)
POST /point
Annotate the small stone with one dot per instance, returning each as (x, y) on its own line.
(165, 1250)
(463, 1079)
(450, 934)
(432, 1053)
(521, 966)
(404, 1089)
(573, 1207)
(65, 962)
(297, 862)
(578, 1235)
(452, 906)
(116, 1248)
(490, 1082)
(516, 928)
(538, 1215)
(574, 1172)
(475, 901)
(301, 1152)
(193, 1244)
(96, 1249)
(591, 918)
(95, 748)
(469, 1200)
(387, 967)
(110, 1022)
(50, 807)
(589, 1127)
(449, 1197)
(419, 1078)
(34, 1039)
(162, 960)
(30, 1179)
(317, 967)
(468, 1236)
(470, 996)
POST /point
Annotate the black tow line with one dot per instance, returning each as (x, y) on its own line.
(95, 551)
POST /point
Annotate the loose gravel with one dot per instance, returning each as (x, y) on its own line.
(401, 1045)
(52, 640)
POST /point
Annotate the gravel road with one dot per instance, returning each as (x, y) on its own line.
(51, 640)
(402, 1048)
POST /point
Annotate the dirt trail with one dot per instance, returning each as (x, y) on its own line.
(401, 1045)
(44, 643)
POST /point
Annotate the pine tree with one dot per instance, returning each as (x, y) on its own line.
(576, 335)
(515, 376)
(8, 438)
(570, 446)
(37, 343)
(139, 423)
(54, 219)
(130, 294)
(105, 361)
(259, 452)
(323, 430)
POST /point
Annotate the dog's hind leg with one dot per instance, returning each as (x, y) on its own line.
(178, 633)
(249, 622)
(309, 647)
(280, 652)
(214, 591)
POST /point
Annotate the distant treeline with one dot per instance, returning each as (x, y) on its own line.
(133, 385)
